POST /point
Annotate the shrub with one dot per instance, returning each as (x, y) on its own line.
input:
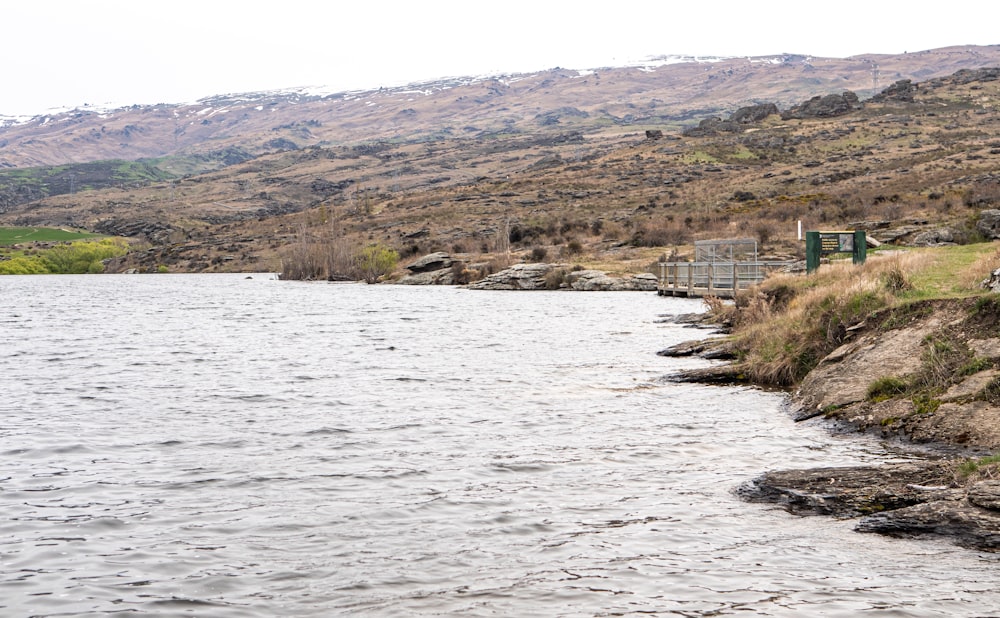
(23, 265)
(375, 261)
(83, 256)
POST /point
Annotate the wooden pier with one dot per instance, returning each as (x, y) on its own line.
(723, 279)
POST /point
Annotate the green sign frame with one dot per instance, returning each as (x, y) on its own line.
(819, 244)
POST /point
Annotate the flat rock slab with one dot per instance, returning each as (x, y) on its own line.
(960, 521)
(906, 499)
(849, 491)
(715, 349)
(718, 374)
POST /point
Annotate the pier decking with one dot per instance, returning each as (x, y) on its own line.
(721, 279)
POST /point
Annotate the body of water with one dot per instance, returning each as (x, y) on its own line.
(216, 445)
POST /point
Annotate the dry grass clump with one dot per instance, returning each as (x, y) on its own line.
(979, 270)
(785, 326)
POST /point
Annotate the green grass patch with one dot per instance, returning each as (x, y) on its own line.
(939, 280)
(886, 388)
(971, 466)
(975, 366)
(699, 156)
(16, 235)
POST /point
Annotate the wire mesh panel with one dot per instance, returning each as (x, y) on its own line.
(726, 250)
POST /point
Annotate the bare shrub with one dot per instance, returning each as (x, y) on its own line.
(555, 278)
(649, 234)
(573, 247)
(319, 254)
(763, 230)
(612, 231)
(538, 254)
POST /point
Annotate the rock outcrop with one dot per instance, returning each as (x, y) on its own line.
(517, 277)
(738, 121)
(431, 269)
(824, 107)
(599, 281)
(902, 91)
(560, 277)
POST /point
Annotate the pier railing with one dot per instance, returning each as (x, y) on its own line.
(722, 279)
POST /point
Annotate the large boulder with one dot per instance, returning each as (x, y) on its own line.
(901, 91)
(431, 262)
(938, 237)
(989, 223)
(517, 277)
(599, 281)
(754, 114)
(824, 107)
(444, 276)
(432, 269)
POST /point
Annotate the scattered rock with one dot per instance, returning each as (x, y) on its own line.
(754, 114)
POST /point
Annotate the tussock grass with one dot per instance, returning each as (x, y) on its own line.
(979, 469)
(785, 326)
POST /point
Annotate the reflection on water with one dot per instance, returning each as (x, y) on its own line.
(223, 446)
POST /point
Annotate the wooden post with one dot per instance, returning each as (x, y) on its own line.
(690, 279)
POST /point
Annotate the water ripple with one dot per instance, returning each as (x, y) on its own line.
(212, 445)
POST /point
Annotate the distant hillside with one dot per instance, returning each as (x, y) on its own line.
(226, 129)
(514, 171)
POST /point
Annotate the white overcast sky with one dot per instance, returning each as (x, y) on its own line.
(66, 53)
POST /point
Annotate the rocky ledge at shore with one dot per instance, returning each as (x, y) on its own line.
(904, 499)
(442, 269)
(956, 343)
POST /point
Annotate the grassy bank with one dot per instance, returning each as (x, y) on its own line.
(783, 328)
(77, 257)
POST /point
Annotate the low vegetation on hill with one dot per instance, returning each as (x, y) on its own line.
(914, 165)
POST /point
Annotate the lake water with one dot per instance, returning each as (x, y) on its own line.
(215, 445)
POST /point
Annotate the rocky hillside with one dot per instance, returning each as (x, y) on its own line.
(606, 169)
(668, 93)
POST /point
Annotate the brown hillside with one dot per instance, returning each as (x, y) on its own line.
(670, 95)
(907, 162)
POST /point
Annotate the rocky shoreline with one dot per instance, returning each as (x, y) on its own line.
(443, 269)
(948, 494)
